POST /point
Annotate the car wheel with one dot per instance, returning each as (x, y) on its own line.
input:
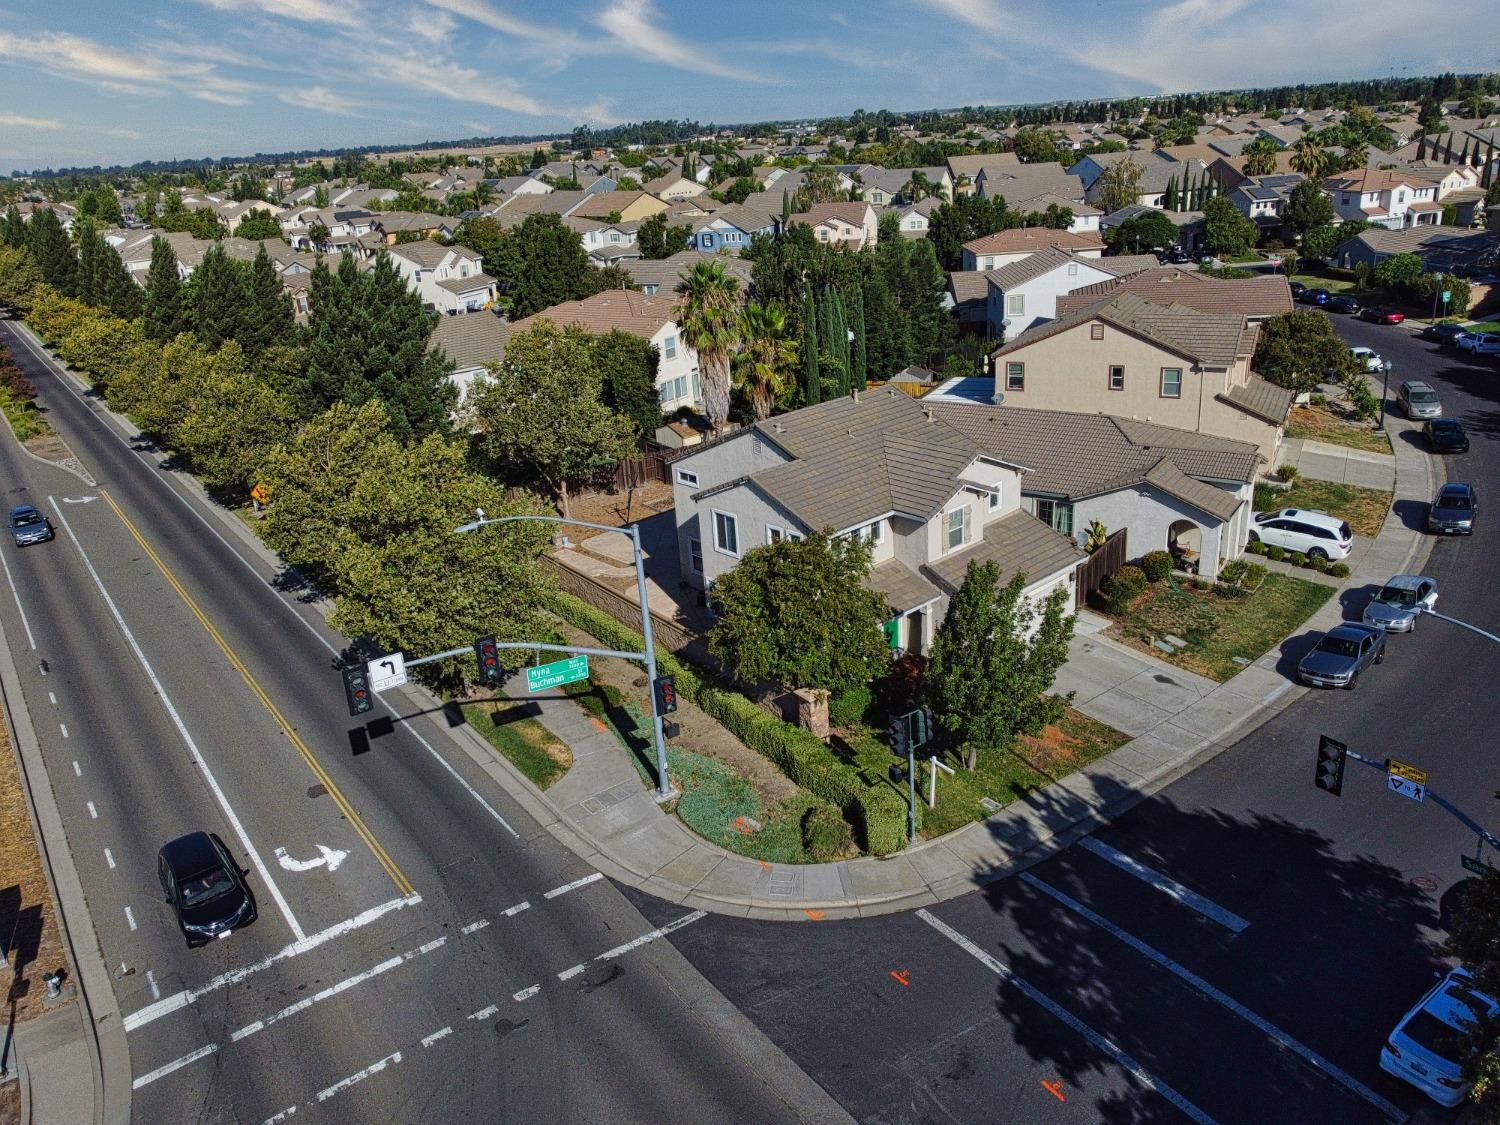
(1317, 553)
(1352, 681)
(1255, 537)
(1380, 656)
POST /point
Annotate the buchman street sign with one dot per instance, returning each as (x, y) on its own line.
(557, 673)
(1406, 780)
(1473, 864)
(387, 671)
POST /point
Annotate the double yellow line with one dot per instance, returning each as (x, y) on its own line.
(402, 883)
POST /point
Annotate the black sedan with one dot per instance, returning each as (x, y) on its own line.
(1314, 296)
(205, 886)
(1297, 288)
(1341, 654)
(1342, 304)
(1445, 435)
(28, 526)
(1443, 333)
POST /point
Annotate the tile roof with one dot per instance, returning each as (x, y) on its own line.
(970, 165)
(467, 284)
(471, 339)
(665, 273)
(902, 587)
(1035, 265)
(1027, 239)
(1260, 398)
(1167, 477)
(1367, 179)
(1215, 339)
(968, 285)
(640, 314)
(1262, 296)
(852, 213)
(1018, 543)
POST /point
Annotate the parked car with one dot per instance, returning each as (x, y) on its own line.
(1479, 343)
(1297, 289)
(1314, 296)
(28, 526)
(1341, 654)
(1382, 314)
(1445, 435)
(1397, 605)
(1314, 534)
(1341, 304)
(1426, 1047)
(205, 886)
(1418, 400)
(1368, 357)
(1443, 333)
(1178, 256)
(1453, 510)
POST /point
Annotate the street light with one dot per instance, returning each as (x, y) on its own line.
(1385, 389)
(664, 780)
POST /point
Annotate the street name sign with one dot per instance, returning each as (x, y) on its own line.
(1406, 780)
(1477, 866)
(387, 671)
(557, 673)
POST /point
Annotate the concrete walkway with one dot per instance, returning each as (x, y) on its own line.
(1323, 461)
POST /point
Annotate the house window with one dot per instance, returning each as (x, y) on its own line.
(1171, 382)
(989, 263)
(1401, 197)
(1116, 378)
(822, 234)
(1056, 514)
(1015, 304)
(688, 477)
(1345, 201)
(669, 348)
(958, 520)
(695, 555)
(1096, 331)
(1015, 376)
(1072, 269)
(726, 534)
(733, 236)
(994, 499)
(614, 236)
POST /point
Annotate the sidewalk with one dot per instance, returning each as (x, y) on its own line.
(1323, 461)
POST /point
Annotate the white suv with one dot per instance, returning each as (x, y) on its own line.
(1316, 534)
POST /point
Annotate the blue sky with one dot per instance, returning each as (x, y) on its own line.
(108, 81)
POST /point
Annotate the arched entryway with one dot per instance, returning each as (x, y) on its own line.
(1185, 543)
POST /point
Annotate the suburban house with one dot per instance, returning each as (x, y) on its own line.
(1442, 249)
(597, 234)
(1189, 224)
(661, 275)
(652, 318)
(851, 223)
(1255, 298)
(729, 228)
(879, 466)
(450, 279)
(393, 224)
(1020, 185)
(1169, 489)
(1001, 249)
(1391, 199)
(1163, 363)
(672, 186)
(1261, 199)
(915, 217)
(1156, 167)
(470, 341)
(631, 206)
(1025, 292)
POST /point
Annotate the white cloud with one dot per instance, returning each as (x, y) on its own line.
(479, 127)
(630, 22)
(73, 57)
(18, 121)
(346, 14)
(463, 84)
(483, 12)
(983, 14)
(128, 134)
(321, 98)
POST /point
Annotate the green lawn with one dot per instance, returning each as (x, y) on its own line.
(1002, 775)
(1482, 326)
(525, 743)
(1219, 628)
(1319, 423)
(1364, 508)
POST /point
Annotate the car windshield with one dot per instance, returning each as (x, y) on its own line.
(1393, 595)
(23, 519)
(1423, 396)
(1339, 646)
(1446, 429)
(1454, 503)
(1432, 1034)
(206, 886)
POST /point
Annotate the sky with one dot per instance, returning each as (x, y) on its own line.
(86, 82)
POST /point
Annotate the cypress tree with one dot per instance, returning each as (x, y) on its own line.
(1489, 164)
(1463, 157)
(268, 320)
(90, 245)
(164, 313)
(861, 376)
(841, 334)
(116, 288)
(786, 208)
(217, 299)
(1169, 200)
(53, 252)
(812, 387)
(1187, 189)
(1448, 157)
(15, 227)
(1422, 147)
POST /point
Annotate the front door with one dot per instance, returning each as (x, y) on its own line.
(914, 627)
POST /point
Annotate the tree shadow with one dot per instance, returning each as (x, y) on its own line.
(1293, 649)
(1354, 599)
(1412, 514)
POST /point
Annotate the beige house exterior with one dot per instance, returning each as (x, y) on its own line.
(851, 223)
(1162, 363)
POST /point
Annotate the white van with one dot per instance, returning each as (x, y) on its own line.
(1316, 534)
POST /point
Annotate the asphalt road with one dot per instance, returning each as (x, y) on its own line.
(423, 950)
(1089, 993)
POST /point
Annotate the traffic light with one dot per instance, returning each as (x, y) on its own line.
(487, 653)
(357, 690)
(896, 732)
(666, 695)
(1331, 755)
(929, 724)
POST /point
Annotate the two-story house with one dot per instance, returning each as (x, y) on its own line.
(852, 224)
(1261, 199)
(730, 228)
(914, 219)
(450, 279)
(1387, 198)
(1165, 363)
(992, 251)
(1025, 292)
(877, 466)
(651, 317)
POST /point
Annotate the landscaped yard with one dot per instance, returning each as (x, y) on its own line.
(1217, 628)
(526, 744)
(1363, 508)
(1001, 775)
(1323, 423)
(1482, 326)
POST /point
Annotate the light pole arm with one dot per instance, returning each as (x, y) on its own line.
(475, 525)
(1461, 624)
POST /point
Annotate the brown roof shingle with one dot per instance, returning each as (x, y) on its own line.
(1018, 543)
(1022, 240)
(1256, 296)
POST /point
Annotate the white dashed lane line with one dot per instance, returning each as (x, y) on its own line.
(574, 885)
(76, 771)
(130, 917)
(109, 858)
(473, 926)
(175, 1064)
(512, 911)
(359, 1076)
(527, 993)
(484, 1013)
(93, 812)
(441, 1033)
(52, 699)
(569, 974)
(64, 728)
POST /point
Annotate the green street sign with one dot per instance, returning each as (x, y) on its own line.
(1478, 867)
(892, 629)
(559, 672)
(1447, 295)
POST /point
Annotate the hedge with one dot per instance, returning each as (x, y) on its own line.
(878, 813)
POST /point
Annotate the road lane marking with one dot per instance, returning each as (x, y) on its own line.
(167, 1005)
(155, 988)
(93, 812)
(109, 858)
(441, 1033)
(175, 1064)
(52, 699)
(335, 989)
(1307, 1054)
(527, 993)
(574, 885)
(359, 1076)
(569, 974)
(130, 917)
(512, 911)
(64, 728)
(30, 640)
(1100, 1042)
(447, 765)
(328, 857)
(356, 822)
(483, 1013)
(76, 771)
(187, 738)
(646, 939)
(472, 926)
(279, 1117)
(1168, 886)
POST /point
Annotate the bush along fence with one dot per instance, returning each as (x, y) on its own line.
(877, 814)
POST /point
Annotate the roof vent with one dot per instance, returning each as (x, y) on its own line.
(854, 393)
(780, 429)
(927, 413)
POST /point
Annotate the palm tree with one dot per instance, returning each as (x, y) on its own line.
(765, 367)
(707, 314)
(1309, 158)
(1355, 157)
(483, 193)
(1260, 157)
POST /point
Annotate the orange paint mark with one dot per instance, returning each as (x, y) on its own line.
(901, 976)
(815, 915)
(1054, 1088)
(739, 822)
(597, 723)
(766, 866)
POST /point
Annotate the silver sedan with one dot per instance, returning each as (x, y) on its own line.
(1397, 605)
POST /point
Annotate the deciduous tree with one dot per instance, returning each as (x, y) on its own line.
(1298, 350)
(1308, 206)
(1225, 230)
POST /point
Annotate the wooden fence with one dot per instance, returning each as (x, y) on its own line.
(1099, 566)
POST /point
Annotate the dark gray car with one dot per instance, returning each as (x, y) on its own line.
(1452, 510)
(1341, 654)
(28, 526)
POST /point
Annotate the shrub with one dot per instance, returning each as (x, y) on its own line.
(825, 833)
(1254, 575)
(1339, 570)
(1288, 472)
(1229, 590)
(849, 707)
(1267, 497)
(1318, 400)
(884, 820)
(1232, 571)
(1123, 587)
(1156, 565)
(1318, 564)
(1201, 585)
(1255, 547)
(1275, 554)
(1297, 558)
